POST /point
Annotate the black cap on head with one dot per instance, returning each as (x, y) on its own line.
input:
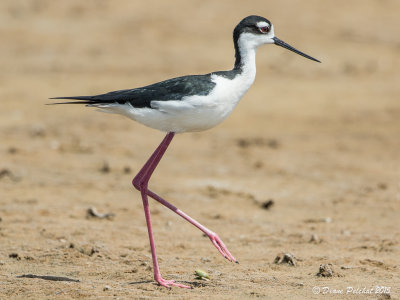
(248, 24)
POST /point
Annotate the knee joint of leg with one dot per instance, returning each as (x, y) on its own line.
(139, 184)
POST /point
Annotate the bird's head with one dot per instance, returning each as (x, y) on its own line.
(254, 31)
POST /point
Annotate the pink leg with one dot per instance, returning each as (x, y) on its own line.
(139, 178)
(215, 240)
(140, 182)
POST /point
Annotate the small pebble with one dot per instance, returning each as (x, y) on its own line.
(326, 270)
(314, 239)
(268, 204)
(107, 288)
(287, 258)
(14, 255)
(12, 150)
(92, 212)
(382, 186)
(105, 168)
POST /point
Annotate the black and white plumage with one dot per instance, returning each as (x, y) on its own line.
(194, 102)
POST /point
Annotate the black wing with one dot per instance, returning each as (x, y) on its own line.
(171, 89)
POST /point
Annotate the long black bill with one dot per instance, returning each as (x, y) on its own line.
(287, 46)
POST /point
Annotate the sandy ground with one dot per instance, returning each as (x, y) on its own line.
(321, 141)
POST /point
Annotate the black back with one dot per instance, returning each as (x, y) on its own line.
(171, 89)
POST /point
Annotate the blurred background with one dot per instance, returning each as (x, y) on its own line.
(321, 141)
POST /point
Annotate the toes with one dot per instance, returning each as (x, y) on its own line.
(231, 258)
(170, 283)
(218, 247)
(222, 248)
(183, 286)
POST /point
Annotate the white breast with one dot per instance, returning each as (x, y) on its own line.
(195, 113)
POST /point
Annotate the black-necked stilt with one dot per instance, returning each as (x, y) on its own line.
(189, 103)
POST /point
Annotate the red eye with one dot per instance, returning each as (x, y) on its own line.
(264, 29)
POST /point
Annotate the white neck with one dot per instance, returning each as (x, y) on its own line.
(246, 58)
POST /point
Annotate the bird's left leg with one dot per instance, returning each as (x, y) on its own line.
(215, 240)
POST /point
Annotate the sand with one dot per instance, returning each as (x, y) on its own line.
(318, 142)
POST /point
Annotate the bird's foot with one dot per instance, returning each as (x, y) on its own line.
(170, 283)
(217, 242)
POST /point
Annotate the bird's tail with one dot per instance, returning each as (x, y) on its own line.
(87, 100)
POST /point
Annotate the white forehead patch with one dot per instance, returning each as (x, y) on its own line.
(262, 24)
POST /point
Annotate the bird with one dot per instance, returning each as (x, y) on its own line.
(188, 104)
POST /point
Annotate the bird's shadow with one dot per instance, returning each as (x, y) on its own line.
(140, 282)
(193, 284)
(48, 277)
